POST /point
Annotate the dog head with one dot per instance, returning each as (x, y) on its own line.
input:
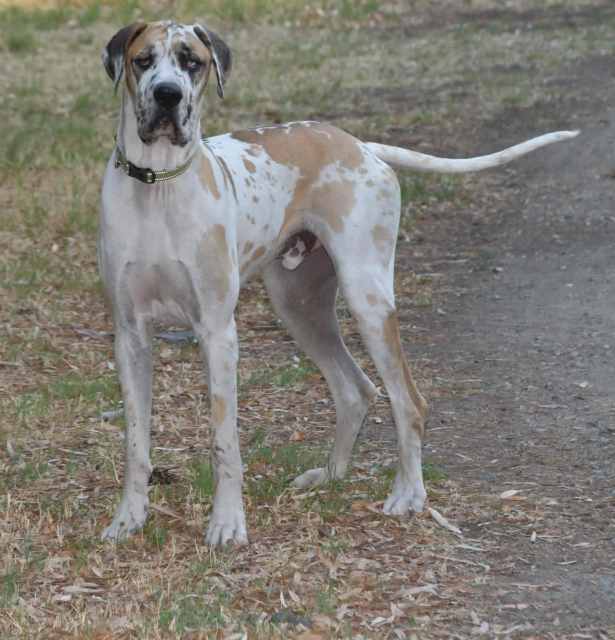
(166, 67)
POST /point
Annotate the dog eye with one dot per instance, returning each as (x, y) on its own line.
(193, 65)
(143, 63)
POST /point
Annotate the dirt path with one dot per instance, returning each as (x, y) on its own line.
(522, 354)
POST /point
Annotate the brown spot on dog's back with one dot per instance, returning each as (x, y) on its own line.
(218, 409)
(208, 179)
(217, 261)
(305, 146)
(250, 166)
(308, 148)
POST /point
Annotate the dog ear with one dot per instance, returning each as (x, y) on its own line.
(220, 53)
(113, 54)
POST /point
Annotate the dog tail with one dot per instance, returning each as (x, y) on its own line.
(399, 157)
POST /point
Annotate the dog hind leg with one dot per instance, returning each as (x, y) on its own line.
(305, 301)
(369, 293)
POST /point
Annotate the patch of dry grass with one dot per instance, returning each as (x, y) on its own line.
(321, 564)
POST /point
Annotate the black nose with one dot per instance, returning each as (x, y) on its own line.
(167, 94)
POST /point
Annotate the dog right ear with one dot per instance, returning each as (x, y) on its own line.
(113, 54)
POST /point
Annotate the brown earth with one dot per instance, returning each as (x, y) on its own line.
(520, 345)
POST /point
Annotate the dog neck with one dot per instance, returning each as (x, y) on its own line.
(161, 155)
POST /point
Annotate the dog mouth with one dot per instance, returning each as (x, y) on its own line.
(165, 124)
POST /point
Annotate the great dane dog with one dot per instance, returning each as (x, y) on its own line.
(186, 221)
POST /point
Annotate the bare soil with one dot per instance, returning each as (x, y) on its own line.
(521, 350)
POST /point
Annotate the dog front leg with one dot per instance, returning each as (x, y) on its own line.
(133, 355)
(227, 522)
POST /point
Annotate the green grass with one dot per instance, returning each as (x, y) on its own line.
(380, 486)
(9, 588)
(276, 467)
(21, 40)
(421, 189)
(156, 535)
(193, 611)
(72, 390)
(15, 18)
(285, 376)
(202, 480)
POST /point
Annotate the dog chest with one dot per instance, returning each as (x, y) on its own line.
(161, 291)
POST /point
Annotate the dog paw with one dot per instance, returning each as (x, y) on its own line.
(311, 478)
(404, 499)
(129, 517)
(228, 526)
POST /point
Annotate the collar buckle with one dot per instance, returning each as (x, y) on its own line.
(145, 174)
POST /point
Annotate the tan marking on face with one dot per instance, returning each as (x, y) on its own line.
(203, 53)
(218, 409)
(250, 166)
(208, 179)
(392, 339)
(308, 149)
(217, 261)
(151, 35)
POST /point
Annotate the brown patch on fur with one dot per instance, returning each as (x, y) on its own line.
(392, 338)
(384, 241)
(226, 172)
(333, 201)
(250, 166)
(258, 253)
(372, 300)
(218, 409)
(207, 177)
(217, 261)
(308, 148)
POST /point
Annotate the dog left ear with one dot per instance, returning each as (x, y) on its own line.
(220, 53)
(113, 54)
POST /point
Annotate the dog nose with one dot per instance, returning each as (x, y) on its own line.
(167, 94)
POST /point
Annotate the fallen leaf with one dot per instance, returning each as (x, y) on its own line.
(443, 522)
(507, 495)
